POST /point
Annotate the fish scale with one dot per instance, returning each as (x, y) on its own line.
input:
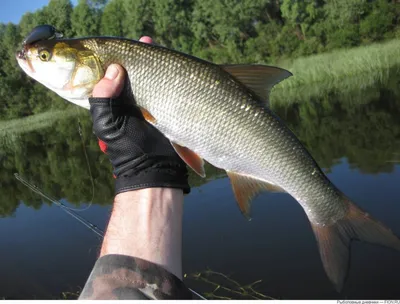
(218, 113)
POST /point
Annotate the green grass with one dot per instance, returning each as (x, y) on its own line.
(345, 69)
(223, 287)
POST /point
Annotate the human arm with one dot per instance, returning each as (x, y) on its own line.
(147, 224)
(141, 252)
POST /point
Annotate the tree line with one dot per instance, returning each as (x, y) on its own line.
(223, 31)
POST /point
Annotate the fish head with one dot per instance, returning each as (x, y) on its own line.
(66, 67)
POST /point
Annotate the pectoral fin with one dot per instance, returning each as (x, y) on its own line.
(146, 115)
(246, 188)
(193, 160)
(259, 78)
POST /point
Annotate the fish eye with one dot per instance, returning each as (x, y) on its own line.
(44, 55)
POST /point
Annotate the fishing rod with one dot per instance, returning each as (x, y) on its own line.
(68, 210)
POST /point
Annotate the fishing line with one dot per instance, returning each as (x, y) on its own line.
(65, 208)
(68, 210)
(87, 163)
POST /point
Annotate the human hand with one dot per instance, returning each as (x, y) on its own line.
(141, 156)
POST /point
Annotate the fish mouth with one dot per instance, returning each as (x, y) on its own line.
(20, 55)
(24, 62)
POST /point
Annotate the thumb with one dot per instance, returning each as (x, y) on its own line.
(112, 83)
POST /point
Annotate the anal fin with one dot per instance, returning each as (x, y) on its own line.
(193, 160)
(246, 188)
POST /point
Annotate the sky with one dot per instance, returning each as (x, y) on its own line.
(12, 10)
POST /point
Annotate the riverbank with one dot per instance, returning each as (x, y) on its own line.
(344, 70)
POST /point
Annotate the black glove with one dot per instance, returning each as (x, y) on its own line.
(142, 157)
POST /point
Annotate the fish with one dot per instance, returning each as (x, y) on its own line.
(214, 113)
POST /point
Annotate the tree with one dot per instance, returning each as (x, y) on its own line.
(138, 19)
(223, 27)
(85, 19)
(379, 22)
(112, 19)
(300, 14)
(342, 22)
(172, 21)
(58, 13)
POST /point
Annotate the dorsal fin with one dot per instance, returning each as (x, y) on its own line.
(246, 188)
(259, 78)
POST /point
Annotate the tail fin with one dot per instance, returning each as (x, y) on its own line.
(334, 241)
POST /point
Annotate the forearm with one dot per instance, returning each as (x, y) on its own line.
(147, 224)
(141, 253)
